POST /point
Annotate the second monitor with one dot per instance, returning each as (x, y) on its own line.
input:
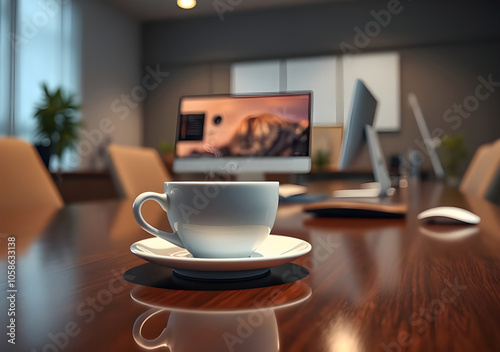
(359, 128)
(369, 201)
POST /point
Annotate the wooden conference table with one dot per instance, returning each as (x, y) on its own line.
(367, 285)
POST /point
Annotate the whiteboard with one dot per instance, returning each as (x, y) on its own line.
(255, 77)
(381, 74)
(319, 75)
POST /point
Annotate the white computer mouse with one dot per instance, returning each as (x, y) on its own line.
(449, 215)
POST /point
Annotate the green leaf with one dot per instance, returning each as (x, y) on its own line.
(56, 118)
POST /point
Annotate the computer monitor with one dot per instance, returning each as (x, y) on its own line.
(244, 133)
(358, 130)
(430, 143)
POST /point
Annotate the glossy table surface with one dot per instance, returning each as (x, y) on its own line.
(367, 284)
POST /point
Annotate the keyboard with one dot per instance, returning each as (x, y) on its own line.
(347, 209)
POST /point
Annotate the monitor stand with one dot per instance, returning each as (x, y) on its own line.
(382, 185)
(251, 176)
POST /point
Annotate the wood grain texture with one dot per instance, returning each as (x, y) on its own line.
(373, 285)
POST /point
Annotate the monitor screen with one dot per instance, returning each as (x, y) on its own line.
(250, 133)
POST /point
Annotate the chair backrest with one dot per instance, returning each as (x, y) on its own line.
(24, 179)
(136, 170)
(483, 171)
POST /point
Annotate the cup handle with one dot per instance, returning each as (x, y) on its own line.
(162, 199)
(161, 340)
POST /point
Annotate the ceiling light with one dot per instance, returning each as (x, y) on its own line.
(186, 4)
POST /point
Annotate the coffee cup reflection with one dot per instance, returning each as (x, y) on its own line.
(245, 326)
(186, 331)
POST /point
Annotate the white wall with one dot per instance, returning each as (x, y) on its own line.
(111, 72)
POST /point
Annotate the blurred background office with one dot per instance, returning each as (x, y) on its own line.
(127, 62)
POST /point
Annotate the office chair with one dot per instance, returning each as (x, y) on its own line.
(136, 170)
(25, 182)
(483, 173)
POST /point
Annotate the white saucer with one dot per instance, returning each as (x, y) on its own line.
(274, 251)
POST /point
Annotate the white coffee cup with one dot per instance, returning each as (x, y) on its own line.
(215, 219)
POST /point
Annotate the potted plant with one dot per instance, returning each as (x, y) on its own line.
(321, 160)
(454, 153)
(57, 124)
